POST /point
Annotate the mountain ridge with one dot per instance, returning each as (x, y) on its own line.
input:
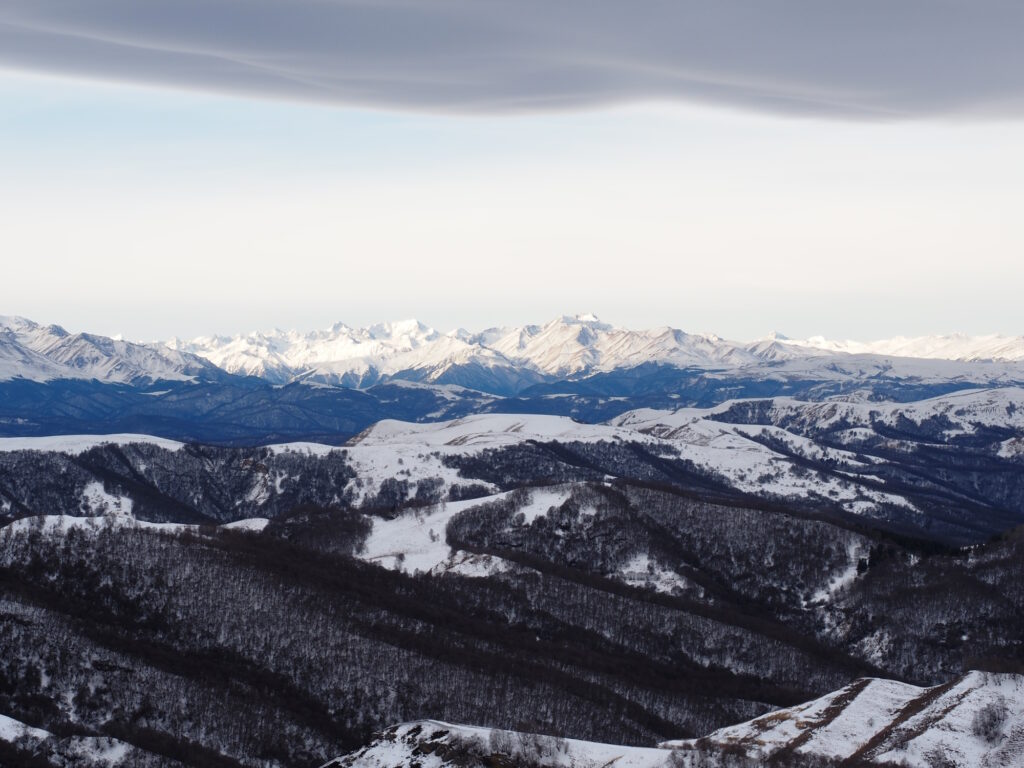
(566, 347)
(29, 350)
(499, 360)
(971, 721)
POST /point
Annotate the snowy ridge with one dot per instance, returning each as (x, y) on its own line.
(965, 411)
(75, 444)
(575, 346)
(974, 722)
(739, 454)
(497, 360)
(730, 452)
(487, 430)
(361, 356)
(415, 453)
(822, 453)
(35, 352)
(435, 744)
(117, 517)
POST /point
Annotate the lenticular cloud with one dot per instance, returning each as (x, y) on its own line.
(865, 59)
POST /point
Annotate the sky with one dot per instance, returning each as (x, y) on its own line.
(194, 171)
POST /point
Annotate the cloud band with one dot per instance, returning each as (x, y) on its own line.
(863, 59)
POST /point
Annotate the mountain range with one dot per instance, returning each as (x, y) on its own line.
(505, 360)
(499, 361)
(35, 352)
(761, 554)
(945, 469)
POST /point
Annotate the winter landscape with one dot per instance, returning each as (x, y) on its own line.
(656, 535)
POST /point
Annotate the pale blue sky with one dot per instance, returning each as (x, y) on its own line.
(155, 212)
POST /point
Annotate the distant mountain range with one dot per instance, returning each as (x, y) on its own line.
(37, 352)
(505, 360)
(496, 360)
(328, 385)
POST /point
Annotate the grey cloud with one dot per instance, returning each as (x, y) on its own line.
(874, 59)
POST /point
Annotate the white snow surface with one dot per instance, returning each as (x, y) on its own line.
(97, 501)
(734, 454)
(415, 539)
(75, 444)
(642, 571)
(12, 730)
(60, 524)
(254, 524)
(414, 451)
(489, 430)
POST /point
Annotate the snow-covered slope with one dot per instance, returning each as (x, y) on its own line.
(770, 448)
(835, 455)
(32, 351)
(974, 722)
(415, 454)
(32, 745)
(488, 430)
(963, 412)
(415, 539)
(73, 444)
(435, 744)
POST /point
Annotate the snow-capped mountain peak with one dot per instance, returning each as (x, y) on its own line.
(411, 332)
(36, 352)
(574, 346)
(500, 360)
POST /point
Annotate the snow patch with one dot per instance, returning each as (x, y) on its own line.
(254, 524)
(96, 501)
